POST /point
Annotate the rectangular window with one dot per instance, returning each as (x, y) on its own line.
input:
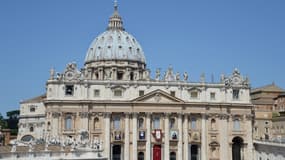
(140, 121)
(156, 124)
(141, 93)
(194, 95)
(193, 123)
(120, 75)
(141, 135)
(117, 123)
(118, 93)
(69, 90)
(235, 94)
(236, 125)
(96, 93)
(32, 108)
(172, 93)
(68, 122)
(213, 95)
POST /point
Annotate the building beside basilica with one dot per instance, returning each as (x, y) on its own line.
(113, 102)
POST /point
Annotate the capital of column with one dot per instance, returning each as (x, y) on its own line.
(166, 115)
(186, 115)
(180, 115)
(148, 114)
(127, 114)
(205, 115)
(56, 114)
(84, 114)
(224, 116)
(135, 114)
(107, 114)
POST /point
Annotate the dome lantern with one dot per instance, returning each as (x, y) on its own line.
(115, 21)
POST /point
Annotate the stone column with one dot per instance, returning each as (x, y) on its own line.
(83, 120)
(199, 153)
(127, 138)
(224, 137)
(55, 124)
(166, 136)
(135, 132)
(185, 136)
(114, 75)
(60, 124)
(101, 74)
(148, 138)
(248, 129)
(107, 135)
(204, 138)
(180, 147)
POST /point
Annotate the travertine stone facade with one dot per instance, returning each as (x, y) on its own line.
(114, 99)
(32, 119)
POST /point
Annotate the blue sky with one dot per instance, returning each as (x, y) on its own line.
(201, 36)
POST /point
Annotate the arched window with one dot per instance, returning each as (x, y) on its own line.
(31, 129)
(141, 156)
(96, 123)
(48, 125)
(131, 76)
(235, 94)
(213, 124)
(172, 123)
(68, 122)
(172, 156)
(236, 126)
(141, 120)
(27, 138)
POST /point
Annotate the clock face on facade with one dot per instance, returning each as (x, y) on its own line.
(69, 75)
(236, 80)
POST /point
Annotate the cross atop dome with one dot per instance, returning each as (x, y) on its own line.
(116, 5)
(115, 21)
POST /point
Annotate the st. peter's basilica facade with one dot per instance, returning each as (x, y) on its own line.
(114, 102)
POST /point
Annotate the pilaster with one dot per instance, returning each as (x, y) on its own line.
(224, 137)
(185, 137)
(107, 135)
(127, 137)
(135, 131)
(180, 147)
(148, 140)
(166, 136)
(204, 138)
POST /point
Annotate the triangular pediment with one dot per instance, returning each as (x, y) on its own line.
(158, 96)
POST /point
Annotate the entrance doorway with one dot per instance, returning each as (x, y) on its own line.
(236, 148)
(172, 156)
(194, 152)
(141, 156)
(116, 152)
(156, 152)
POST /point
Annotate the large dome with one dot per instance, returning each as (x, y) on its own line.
(115, 44)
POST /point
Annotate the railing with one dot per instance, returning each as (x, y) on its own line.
(47, 155)
(270, 142)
